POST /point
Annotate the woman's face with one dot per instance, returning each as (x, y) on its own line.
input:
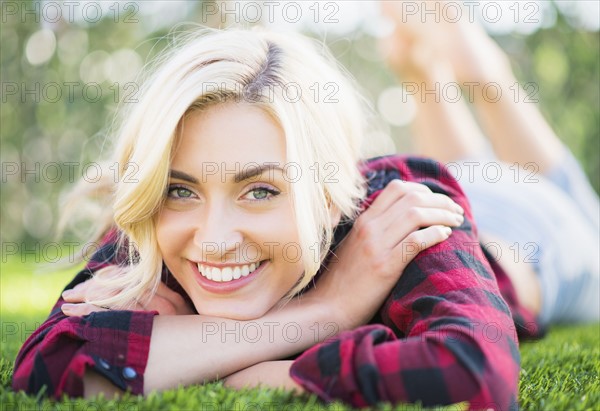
(227, 234)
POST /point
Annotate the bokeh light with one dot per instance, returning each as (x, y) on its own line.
(40, 47)
(92, 62)
(396, 106)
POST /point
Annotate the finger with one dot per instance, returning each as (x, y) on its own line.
(443, 201)
(395, 190)
(163, 290)
(420, 240)
(76, 294)
(167, 300)
(161, 300)
(394, 225)
(77, 310)
(169, 294)
(397, 224)
(400, 228)
(432, 200)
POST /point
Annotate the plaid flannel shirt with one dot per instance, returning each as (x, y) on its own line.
(447, 332)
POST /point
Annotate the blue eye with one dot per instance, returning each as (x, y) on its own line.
(263, 193)
(179, 192)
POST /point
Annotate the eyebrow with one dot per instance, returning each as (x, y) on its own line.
(241, 176)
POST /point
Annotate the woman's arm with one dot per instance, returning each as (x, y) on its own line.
(63, 349)
(179, 344)
(221, 336)
(58, 354)
(191, 349)
(406, 206)
(450, 336)
(273, 374)
(194, 349)
(142, 351)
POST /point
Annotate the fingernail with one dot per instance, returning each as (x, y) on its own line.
(448, 231)
(460, 209)
(67, 307)
(67, 293)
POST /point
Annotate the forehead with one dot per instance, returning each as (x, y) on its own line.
(231, 134)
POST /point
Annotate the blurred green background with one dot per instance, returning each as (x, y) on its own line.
(64, 68)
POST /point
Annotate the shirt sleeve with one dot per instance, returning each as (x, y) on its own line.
(444, 334)
(527, 324)
(115, 344)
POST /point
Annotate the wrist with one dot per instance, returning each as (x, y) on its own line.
(337, 313)
(322, 318)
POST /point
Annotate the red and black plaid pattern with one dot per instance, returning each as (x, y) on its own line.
(113, 343)
(444, 335)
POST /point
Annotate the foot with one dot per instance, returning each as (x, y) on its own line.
(419, 43)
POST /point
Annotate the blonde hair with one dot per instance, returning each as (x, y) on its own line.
(278, 72)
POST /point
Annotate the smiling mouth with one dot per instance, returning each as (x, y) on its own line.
(227, 274)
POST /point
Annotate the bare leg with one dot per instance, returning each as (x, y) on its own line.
(443, 130)
(515, 127)
(447, 132)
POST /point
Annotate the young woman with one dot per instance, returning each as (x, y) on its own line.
(257, 245)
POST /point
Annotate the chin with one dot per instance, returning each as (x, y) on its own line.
(234, 315)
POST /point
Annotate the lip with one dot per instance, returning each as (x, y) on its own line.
(229, 286)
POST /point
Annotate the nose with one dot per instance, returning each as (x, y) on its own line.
(217, 234)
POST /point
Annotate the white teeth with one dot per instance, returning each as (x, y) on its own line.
(216, 274)
(227, 273)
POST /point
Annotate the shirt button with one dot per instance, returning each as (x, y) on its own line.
(129, 373)
(103, 363)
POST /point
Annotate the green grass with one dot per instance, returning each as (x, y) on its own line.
(560, 372)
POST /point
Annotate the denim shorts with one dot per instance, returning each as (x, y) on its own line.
(550, 221)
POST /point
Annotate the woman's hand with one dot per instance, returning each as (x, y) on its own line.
(273, 374)
(405, 219)
(165, 301)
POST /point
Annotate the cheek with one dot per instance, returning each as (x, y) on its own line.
(171, 233)
(281, 225)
